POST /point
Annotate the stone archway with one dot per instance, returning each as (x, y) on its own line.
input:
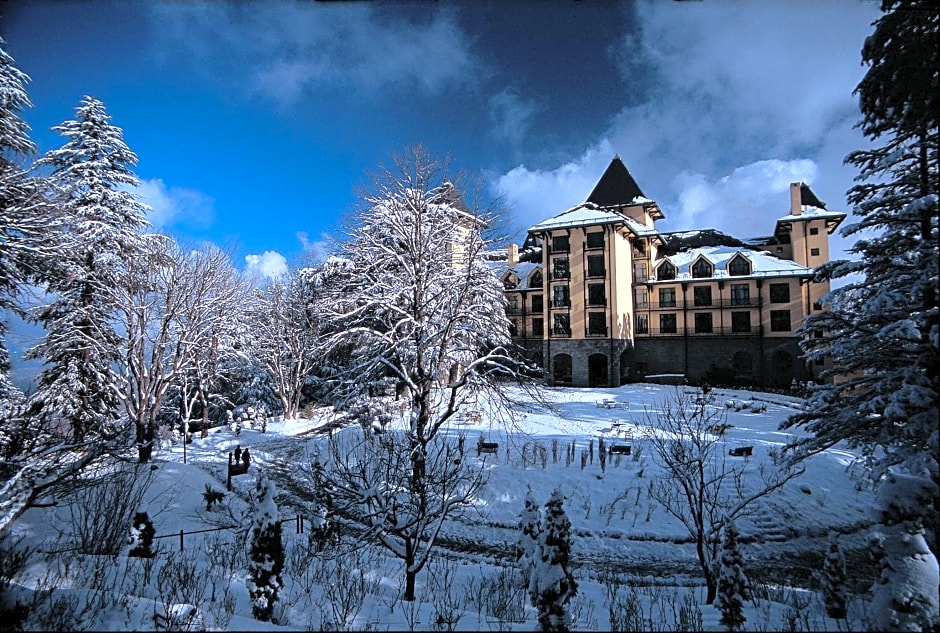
(781, 369)
(598, 370)
(561, 369)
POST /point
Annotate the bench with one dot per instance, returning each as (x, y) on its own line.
(487, 447)
(741, 451)
(620, 449)
(719, 429)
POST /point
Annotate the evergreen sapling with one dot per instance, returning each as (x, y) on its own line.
(267, 553)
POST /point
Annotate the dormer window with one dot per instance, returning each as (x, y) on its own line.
(666, 271)
(739, 266)
(702, 269)
(535, 281)
(510, 282)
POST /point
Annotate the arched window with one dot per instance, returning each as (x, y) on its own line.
(701, 269)
(535, 281)
(739, 266)
(666, 271)
(510, 282)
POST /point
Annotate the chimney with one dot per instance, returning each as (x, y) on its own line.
(796, 198)
(512, 255)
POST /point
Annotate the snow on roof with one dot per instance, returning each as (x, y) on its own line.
(762, 264)
(589, 214)
(811, 213)
(522, 270)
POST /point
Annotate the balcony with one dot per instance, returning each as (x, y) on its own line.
(716, 331)
(595, 273)
(559, 332)
(595, 332)
(558, 304)
(560, 274)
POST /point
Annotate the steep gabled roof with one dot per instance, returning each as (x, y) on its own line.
(616, 187)
(807, 197)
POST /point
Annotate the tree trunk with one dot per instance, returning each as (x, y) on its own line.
(410, 574)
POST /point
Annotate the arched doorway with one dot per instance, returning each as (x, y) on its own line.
(597, 370)
(561, 369)
(781, 368)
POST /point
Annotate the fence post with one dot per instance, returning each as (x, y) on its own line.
(228, 480)
(181, 540)
(301, 517)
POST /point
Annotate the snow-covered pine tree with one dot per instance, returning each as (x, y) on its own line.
(90, 172)
(527, 545)
(266, 559)
(141, 537)
(552, 584)
(833, 580)
(20, 225)
(904, 598)
(732, 583)
(882, 332)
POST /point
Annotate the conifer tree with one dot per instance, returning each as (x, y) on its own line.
(732, 583)
(90, 172)
(552, 584)
(20, 199)
(833, 579)
(528, 543)
(882, 331)
(267, 553)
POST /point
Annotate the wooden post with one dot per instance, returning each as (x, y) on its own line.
(228, 480)
(181, 540)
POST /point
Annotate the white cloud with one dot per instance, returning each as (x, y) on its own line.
(745, 202)
(317, 250)
(539, 194)
(735, 101)
(269, 264)
(175, 205)
(290, 48)
(511, 116)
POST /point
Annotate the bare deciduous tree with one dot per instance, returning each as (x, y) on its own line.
(175, 307)
(700, 487)
(368, 478)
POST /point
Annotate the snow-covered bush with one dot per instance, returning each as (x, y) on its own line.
(266, 559)
(732, 583)
(141, 537)
(552, 584)
(527, 545)
(833, 579)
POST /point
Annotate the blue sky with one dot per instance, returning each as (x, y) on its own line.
(256, 123)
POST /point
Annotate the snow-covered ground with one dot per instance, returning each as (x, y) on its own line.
(619, 531)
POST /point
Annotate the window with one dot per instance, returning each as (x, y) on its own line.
(562, 325)
(740, 294)
(536, 280)
(667, 323)
(595, 240)
(513, 304)
(667, 297)
(703, 322)
(702, 295)
(814, 252)
(814, 231)
(537, 303)
(510, 282)
(538, 327)
(595, 266)
(640, 273)
(817, 306)
(596, 295)
(666, 271)
(560, 297)
(701, 269)
(740, 322)
(642, 324)
(560, 244)
(642, 298)
(597, 324)
(779, 320)
(739, 267)
(639, 247)
(560, 268)
(779, 293)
